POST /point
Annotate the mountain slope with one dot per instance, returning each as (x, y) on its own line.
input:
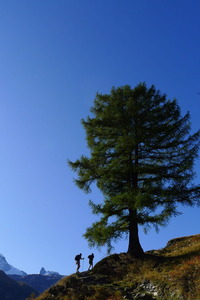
(170, 273)
(12, 290)
(8, 269)
(38, 282)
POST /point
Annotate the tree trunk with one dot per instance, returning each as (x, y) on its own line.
(134, 247)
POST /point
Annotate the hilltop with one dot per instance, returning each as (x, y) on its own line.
(169, 273)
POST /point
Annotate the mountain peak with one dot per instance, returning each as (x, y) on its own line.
(47, 273)
(42, 271)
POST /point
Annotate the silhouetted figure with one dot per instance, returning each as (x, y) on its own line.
(91, 257)
(78, 258)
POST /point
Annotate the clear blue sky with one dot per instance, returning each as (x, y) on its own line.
(54, 57)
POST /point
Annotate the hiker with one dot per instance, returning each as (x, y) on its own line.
(91, 257)
(78, 258)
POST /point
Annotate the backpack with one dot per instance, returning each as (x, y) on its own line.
(91, 256)
(76, 257)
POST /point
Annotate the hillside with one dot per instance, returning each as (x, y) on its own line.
(169, 273)
(13, 290)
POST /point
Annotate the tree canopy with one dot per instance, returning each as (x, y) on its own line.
(142, 160)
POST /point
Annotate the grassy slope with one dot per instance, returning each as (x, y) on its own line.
(169, 273)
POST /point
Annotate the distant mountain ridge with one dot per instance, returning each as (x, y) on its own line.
(10, 270)
(36, 282)
(48, 273)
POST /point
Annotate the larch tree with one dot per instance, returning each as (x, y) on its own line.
(142, 160)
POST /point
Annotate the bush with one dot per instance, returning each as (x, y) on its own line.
(187, 278)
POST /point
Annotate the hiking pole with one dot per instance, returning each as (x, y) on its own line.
(83, 265)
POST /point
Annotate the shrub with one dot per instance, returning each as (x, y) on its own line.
(187, 278)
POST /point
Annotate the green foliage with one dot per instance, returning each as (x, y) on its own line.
(141, 159)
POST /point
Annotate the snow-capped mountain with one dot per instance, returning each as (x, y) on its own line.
(8, 269)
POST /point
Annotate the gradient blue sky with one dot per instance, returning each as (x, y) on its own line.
(54, 56)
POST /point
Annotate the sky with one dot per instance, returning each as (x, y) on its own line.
(55, 55)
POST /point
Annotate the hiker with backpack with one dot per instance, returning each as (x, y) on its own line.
(78, 258)
(91, 257)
